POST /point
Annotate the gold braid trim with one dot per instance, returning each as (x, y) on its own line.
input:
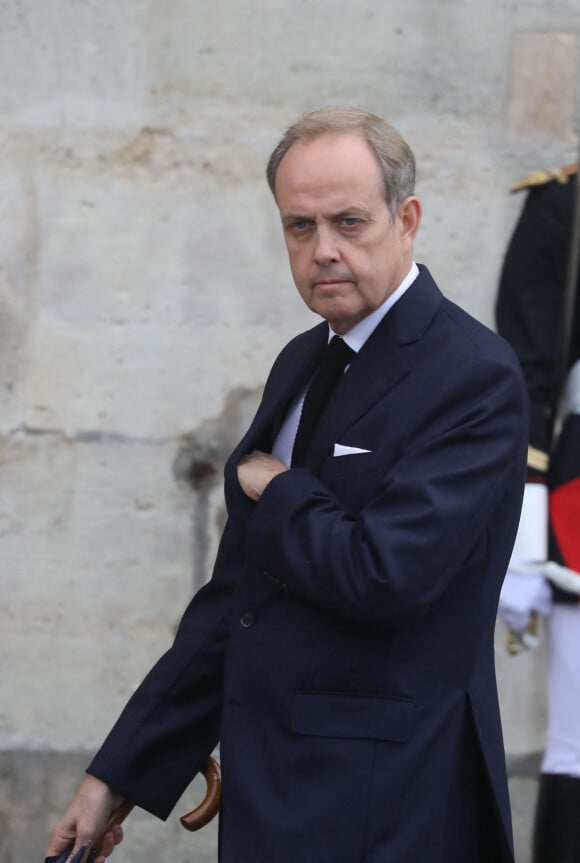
(537, 459)
(540, 178)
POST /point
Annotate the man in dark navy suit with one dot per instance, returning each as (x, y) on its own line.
(342, 652)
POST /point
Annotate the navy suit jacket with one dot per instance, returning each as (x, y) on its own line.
(342, 652)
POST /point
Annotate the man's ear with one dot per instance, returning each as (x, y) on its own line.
(409, 216)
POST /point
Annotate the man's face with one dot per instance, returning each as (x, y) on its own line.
(347, 254)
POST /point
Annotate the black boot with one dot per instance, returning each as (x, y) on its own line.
(557, 821)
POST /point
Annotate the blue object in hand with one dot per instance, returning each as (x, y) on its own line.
(64, 857)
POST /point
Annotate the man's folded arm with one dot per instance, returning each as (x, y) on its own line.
(401, 551)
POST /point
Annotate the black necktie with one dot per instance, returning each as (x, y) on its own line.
(332, 365)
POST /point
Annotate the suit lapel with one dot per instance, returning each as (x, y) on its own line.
(289, 376)
(378, 367)
(302, 361)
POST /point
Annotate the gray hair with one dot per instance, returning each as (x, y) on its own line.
(394, 156)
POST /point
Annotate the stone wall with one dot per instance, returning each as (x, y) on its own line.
(144, 292)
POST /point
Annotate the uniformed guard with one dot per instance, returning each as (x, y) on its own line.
(538, 312)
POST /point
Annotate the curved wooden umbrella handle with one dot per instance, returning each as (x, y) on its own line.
(202, 814)
(194, 820)
(117, 817)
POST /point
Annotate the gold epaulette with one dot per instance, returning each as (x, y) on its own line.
(540, 178)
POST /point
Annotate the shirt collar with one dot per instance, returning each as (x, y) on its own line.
(357, 336)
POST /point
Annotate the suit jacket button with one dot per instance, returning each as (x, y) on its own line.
(247, 619)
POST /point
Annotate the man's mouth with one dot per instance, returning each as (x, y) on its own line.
(330, 283)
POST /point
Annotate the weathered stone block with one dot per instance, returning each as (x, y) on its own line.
(543, 85)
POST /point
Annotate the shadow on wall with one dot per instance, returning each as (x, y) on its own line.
(199, 464)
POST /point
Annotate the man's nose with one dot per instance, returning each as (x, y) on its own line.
(326, 250)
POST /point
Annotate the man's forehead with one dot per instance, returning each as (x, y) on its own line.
(333, 144)
(337, 165)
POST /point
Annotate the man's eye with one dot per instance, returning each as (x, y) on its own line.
(350, 221)
(300, 225)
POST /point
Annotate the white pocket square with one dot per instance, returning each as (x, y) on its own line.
(342, 449)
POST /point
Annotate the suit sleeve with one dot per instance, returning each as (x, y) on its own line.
(404, 548)
(171, 724)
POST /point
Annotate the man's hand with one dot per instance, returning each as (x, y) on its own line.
(256, 470)
(85, 820)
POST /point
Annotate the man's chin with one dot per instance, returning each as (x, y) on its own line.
(340, 319)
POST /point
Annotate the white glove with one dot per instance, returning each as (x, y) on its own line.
(525, 592)
(522, 594)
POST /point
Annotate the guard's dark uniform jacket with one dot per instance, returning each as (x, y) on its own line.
(529, 316)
